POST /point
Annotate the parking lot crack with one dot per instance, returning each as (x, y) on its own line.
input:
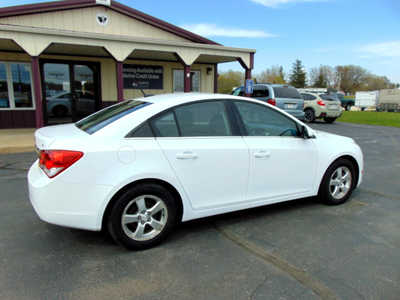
(301, 276)
(253, 293)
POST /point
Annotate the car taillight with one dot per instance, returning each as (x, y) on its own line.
(271, 101)
(53, 162)
(321, 103)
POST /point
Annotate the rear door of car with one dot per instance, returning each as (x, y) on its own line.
(288, 98)
(208, 156)
(282, 164)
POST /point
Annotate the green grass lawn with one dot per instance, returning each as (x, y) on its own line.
(371, 118)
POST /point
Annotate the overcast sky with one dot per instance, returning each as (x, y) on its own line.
(329, 32)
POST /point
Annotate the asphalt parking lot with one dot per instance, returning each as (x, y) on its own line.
(296, 250)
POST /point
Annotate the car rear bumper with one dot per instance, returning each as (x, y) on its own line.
(66, 204)
(333, 113)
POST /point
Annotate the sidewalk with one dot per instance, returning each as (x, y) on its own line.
(17, 140)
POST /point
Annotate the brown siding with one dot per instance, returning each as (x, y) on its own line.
(17, 119)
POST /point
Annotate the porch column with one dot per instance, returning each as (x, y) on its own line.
(215, 78)
(120, 81)
(247, 69)
(37, 87)
(187, 80)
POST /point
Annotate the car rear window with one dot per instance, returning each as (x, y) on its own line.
(109, 115)
(286, 92)
(329, 97)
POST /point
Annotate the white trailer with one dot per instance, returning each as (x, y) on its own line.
(366, 99)
(389, 100)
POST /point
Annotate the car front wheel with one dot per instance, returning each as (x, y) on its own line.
(338, 182)
(142, 216)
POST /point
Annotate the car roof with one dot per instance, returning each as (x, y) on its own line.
(311, 93)
(181, 98)
(269, 85)
(275, 85)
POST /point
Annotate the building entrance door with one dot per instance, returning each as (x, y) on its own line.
(71, 90)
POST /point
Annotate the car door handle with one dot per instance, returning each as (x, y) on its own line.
(186, 155)
(262, 154)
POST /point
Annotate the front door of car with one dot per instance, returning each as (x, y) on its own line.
(282, 164)
(210, 162)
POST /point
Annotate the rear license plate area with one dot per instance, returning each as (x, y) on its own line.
(290, 106)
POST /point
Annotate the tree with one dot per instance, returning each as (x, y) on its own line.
(229, 80)
(298, 75)
(274, 74)
(351, 78)
(322, 77)
(374, 83)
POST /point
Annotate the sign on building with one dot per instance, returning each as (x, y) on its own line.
(143, 77)
(249, 86)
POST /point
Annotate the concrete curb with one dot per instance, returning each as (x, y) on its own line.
(19, 149)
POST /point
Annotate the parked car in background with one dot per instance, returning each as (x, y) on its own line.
(321, 106)
(60, 104)
(138, 168)
(283, 96)
(346, 101)
(366, 99)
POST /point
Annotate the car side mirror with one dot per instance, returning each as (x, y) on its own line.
(305, 134)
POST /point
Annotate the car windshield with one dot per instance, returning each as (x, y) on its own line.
(109, 115)
(286, 92)
(238, 92)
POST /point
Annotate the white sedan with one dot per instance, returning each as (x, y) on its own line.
(141, 166)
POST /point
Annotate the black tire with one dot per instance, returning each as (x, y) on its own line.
(60, 111)
(309, 115)
(348, 107)
(329, 120)
(125, 201)
(325, 193)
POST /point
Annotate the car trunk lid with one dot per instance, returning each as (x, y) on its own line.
(46, 137)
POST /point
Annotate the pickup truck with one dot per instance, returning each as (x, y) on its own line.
(346, 101)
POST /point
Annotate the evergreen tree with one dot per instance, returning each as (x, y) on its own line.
(298, 75)
(321, 81)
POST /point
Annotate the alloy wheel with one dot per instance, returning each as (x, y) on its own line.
(340, 183)
(144, 217)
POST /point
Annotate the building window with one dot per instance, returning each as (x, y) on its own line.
(178, 81)
(16, 91)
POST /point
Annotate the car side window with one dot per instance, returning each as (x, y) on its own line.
(203, 119)
(260, 120)
(260, 93)
(165, 125)
(308, 96)
(142, 131)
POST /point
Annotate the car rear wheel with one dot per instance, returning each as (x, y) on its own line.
(60, 111)
(142, 216)
(309, 115)
(338, 182)
(329, 120)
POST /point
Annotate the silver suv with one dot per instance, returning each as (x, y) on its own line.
(283, 96)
